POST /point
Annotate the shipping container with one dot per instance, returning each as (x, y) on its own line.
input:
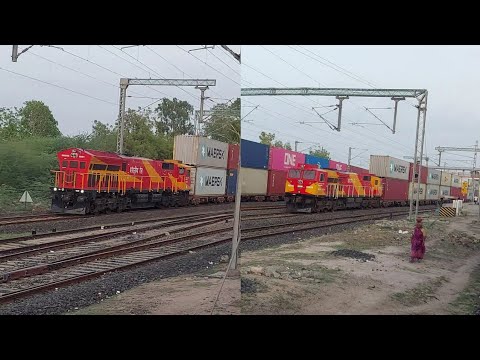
(456, 182)
(389, 167)
(208, 181)
(315, 160)
(456, 192)
(276, 182)
(433, 192)
(434, 176)
(422, 193)
(423, 174)
(254, 155)
(358, 170)
(232, 181)
(233, 154)
(254, 181)
(335, 165)
(446, 179)
(395, 190)
(200, 151)
(444, 191)
(283, 159)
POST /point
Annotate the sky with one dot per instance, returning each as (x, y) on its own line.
(449, 73)
(87, 78)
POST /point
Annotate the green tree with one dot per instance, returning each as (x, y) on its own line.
(9, 124)
(173, 117)
(266, 138)
(103, 137)
(36, 119)
(224, 123)
(320, 152)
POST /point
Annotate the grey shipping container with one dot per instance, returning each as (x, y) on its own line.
(456, 181)
(421, 196)
(434, 176)
(200, 151)
(254, 181)
(208, 181)
(254, 155)
(433, 192)
(446, 179)
(389, 167)
(444, 191)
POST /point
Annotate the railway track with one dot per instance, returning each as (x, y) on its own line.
(26, 281)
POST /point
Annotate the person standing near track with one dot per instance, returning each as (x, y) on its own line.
(417, 250)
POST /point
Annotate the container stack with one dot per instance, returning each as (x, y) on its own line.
(456, 187)
(254, 170)
(433, 184)
(279, 162)
(315, 160)
(232, 170)
(395, 174)
(445, 184)
(423, 183)
(208, 159)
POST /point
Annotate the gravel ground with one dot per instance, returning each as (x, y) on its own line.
(354, 254)
(73, 222)
(65, 300)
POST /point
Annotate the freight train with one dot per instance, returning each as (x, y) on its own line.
(206, 171)
(92, 181)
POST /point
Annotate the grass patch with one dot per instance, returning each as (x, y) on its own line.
(468, 302)
(6, 236)
(421, 294)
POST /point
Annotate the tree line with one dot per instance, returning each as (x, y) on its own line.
(269, 139)
(30, 139)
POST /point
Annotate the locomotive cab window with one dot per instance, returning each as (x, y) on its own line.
(73, 164)
(64, 163)
(294, 174)
(366, 178)
(124, 166)
(82, 165)
(188, 172)
(181, 171)
(322, 177)
(113, 167)
(376, 182)
(167, 166)
(309, 174)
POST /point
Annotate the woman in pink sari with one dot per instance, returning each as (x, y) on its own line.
(418, 242)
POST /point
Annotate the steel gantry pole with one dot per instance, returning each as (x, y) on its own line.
(121, 115)
(423, 117)
(415, 159)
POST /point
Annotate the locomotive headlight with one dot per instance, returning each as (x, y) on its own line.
(54, 189)
(82, 191)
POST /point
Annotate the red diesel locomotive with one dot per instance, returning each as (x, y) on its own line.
(92, 181)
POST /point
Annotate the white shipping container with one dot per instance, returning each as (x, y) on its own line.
(422, 195)
(434, 176)
(254, 181)
(208, 181)
(200, 151)
(433, 192)
(456, 181)
(389, 167)
(444, 191)
(446, 179)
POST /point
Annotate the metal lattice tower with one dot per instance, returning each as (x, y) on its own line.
(342, 94)
(201, 84)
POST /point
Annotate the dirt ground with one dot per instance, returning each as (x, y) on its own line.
(367, 271)
(185, 295)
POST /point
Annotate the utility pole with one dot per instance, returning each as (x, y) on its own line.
(349, 157)
(202, 99)
(296, 144)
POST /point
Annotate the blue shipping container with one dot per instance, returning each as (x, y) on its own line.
(254, 155)
(315, 160)
(232, 181)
